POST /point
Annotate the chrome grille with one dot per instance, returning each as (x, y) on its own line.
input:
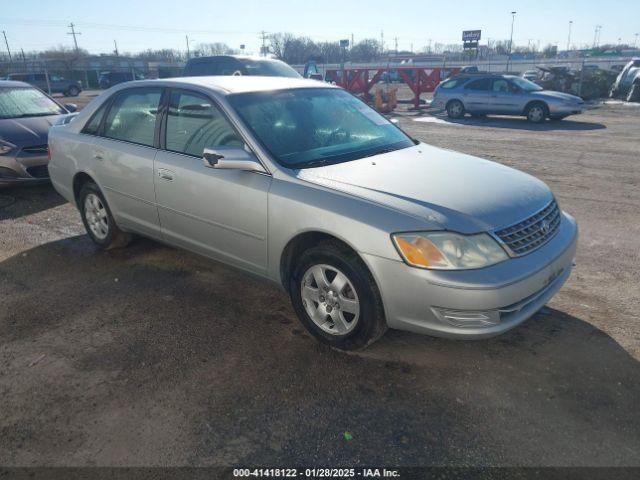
(533, 232)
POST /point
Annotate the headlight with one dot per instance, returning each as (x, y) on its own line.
(448, 251)
(5, 147)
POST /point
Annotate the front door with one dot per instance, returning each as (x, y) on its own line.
(218, 213)
(503, 98)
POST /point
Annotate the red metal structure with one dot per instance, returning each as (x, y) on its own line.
(418, 79)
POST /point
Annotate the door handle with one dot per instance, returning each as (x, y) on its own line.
(98, 155)
(165, 174)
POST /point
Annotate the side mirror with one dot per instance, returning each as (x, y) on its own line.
(71, 107)
(231, 158)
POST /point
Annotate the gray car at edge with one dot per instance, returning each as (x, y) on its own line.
(483, 94)
(303, 184)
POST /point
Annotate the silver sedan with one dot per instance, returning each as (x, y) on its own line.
(304, 184)
(482, 94)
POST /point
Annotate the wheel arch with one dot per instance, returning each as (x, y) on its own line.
(455, 99)
(302, 241)
(531, 103)
(79, 180)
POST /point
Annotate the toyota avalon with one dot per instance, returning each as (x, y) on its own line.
(304, 184)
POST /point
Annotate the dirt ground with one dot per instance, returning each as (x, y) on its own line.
(153, 356)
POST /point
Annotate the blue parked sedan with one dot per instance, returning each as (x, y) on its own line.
(498, 94)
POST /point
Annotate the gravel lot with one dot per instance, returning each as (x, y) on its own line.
(153, 356)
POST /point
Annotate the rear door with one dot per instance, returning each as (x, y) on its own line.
(476, 95)
(218, 213)
(123, 155)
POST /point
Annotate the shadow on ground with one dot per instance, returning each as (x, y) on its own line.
(21, 201)
(153, 356)
(516, 123)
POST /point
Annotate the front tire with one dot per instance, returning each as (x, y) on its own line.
(455, 109)
(537, 112)
(98, 220)
(73, 91)
(336, 298)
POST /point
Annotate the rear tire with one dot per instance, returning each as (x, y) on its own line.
(537, 112)
(336, 298)
(98, 220)
(455, 109)
(73, 91)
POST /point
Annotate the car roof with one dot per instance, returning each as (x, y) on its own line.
(229, 84)
(237, 57)
(13, 83)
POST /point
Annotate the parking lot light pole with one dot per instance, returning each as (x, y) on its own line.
(513, 19)
(569, 37)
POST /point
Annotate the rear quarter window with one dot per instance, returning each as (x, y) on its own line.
(453, 83)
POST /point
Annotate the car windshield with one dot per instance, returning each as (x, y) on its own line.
(20, 102)
(526, 85)
(268, 68)
(311, 127)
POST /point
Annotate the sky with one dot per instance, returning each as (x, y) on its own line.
(137, 25)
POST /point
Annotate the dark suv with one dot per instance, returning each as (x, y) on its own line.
(57, 83)
(109, 79)
(237, 65)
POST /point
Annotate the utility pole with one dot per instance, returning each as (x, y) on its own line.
(395, 40)
(635, 42)
(569, 37)
(382, 41)
(263, 36)
(115, 44)
(599, 35)
(513, 19)
(186, 37)
(351, 42)
(7, 44)
(74, 34)
(430, 45)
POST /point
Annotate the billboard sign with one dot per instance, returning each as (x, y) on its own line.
(471, 35)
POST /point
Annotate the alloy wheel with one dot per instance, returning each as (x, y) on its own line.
(96, 216)
(330, 299)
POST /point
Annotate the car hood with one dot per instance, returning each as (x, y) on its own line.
(24, 132)
(449, 189)
(547, 94)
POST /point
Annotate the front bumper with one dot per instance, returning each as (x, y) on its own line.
(500, 297)
(565, 110)
(23, 170)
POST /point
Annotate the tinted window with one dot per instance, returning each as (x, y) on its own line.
(479, 84)
(212, 66)
(93, 125)
(500, 85)
(39, 77)
(18, 77)
(194, 123)
(132, 116)
(453, 83)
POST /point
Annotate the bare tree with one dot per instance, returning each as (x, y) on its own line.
(216, 48)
